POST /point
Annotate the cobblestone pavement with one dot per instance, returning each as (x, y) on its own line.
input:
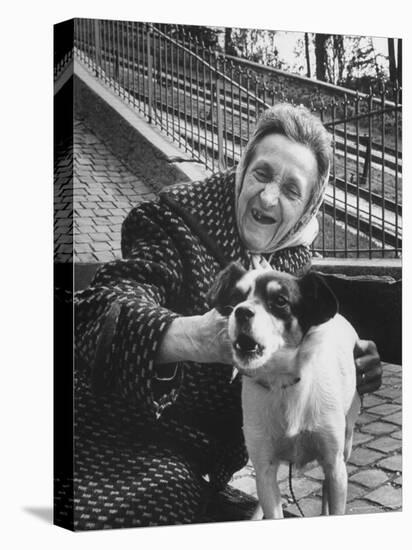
(374, 468)
(104, 193)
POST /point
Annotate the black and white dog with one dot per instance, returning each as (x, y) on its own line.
(299, 394)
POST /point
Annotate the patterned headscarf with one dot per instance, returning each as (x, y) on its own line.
(302, 127)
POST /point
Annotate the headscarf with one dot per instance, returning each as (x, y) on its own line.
(306, 228)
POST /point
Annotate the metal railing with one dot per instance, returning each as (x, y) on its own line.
(209, 104)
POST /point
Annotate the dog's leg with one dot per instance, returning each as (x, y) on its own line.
(261, 453)
(325, 497)
(336, 479)
(258, 513)
(351, 417)
(268, 490)
(261, 448)
(348, 442)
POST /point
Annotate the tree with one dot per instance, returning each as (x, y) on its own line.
(207, 35)
(257, 45)
(229, 46)
(338, 58)
(400, 61)
(321, 55)
(307, 56)
(393, 76)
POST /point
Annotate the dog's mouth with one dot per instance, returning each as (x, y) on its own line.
(246, 346)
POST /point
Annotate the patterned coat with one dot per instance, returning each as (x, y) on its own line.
(121, 319)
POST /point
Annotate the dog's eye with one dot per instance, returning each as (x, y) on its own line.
(233, 300)
(280, 301)
(236, 297)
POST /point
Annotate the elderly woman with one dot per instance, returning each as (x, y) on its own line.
(157, 412)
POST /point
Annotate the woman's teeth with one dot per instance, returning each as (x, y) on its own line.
(259, 217)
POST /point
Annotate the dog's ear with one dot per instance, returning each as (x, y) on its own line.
(220, 295)
(319, 302)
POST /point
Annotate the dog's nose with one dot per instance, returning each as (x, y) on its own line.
(243, 313)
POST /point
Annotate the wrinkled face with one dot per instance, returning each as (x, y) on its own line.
(276, 188)
(264, 318)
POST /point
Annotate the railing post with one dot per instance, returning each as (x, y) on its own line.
(149, 74)
(116, 50)
(98, 52)
(221, 161)
(367, 161)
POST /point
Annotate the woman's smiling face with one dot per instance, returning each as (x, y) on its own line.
(276, 188)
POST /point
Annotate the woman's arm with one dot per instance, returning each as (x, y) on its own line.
(122, 317)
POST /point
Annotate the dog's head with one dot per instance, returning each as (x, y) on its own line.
(269, 310)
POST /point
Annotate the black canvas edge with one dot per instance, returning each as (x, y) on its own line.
(63, 324)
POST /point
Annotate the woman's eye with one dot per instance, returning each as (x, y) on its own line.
(292, 191)
(261, 175)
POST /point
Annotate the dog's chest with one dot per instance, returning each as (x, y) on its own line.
(290, 427)
(294, 431)
(298, 449)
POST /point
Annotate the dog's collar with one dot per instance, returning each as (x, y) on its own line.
(283, 386)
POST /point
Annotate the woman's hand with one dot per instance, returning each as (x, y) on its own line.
(368, 366)
(200, 338)
(213, 338)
